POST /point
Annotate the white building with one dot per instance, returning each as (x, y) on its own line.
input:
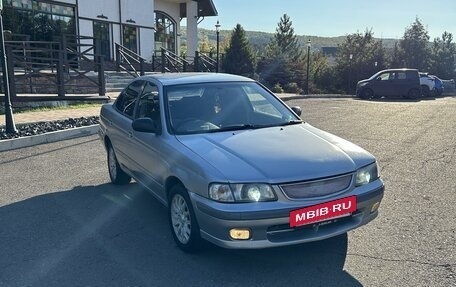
(143, 26)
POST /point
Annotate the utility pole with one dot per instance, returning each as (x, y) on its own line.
(9, 120)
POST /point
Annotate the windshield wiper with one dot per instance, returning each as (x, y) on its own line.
(236, 127)
(292, 122)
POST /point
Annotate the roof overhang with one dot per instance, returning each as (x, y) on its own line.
(205, 8)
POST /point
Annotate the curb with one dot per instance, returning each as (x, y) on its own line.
(298, 97)
(22, 142)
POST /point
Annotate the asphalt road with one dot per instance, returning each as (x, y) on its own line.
(63, 224)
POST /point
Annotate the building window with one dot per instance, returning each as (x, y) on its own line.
(101, 33)
(165, 34)
(38, 21)
(130, 38)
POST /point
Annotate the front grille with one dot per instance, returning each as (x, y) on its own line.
(317, 188)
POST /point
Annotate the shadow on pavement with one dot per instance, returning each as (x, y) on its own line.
(119, 236)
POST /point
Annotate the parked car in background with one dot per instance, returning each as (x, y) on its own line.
(438, 86)
(391, 83)
(427, 85)
(449, 87)
(234, 164)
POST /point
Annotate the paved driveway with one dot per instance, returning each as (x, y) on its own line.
(63, 224)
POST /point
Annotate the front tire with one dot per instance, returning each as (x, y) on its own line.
(117, 175)
(367, 94)
(182, 220)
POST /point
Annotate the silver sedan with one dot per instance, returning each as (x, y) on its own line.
(234, 164)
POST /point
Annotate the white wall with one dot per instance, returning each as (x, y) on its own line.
(92, 8)
(141, 11)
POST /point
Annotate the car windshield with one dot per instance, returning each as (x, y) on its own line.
(375, 75)
(226, 106)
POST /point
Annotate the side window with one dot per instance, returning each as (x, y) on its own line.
(385, 77)
(149, 105)
(401, 76)
(126, 101)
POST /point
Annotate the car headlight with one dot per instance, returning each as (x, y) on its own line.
(367, 174)
(249, 192)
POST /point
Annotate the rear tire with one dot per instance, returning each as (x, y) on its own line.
(182, 220)
(413, 94)
(425, 91)
(116, 173)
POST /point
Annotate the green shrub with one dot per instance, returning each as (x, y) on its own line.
(292, 88)
(277, 88)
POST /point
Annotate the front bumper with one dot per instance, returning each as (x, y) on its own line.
(269, 221)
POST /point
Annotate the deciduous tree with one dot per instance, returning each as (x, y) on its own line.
(443, 56)
(365, 51)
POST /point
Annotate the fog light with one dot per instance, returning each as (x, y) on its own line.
(375, 206)
(240, 234)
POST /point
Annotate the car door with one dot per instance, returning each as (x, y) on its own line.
(120, 125)
(147, 148)
(401, 84)
(382, 85)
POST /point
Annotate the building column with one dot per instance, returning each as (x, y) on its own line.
(192, 29)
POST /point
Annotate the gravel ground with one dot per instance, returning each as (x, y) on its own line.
(31, 129)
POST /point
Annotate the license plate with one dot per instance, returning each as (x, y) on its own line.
(323, 211)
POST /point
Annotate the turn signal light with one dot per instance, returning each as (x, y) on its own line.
(240, 234)
(375, 206)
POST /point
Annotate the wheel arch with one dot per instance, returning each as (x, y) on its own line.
(106, 142)
(170, 183)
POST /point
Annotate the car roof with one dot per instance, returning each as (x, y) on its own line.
(168, 79)
(399, 70)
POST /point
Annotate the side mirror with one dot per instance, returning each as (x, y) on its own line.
(297, 110)
(146, 125)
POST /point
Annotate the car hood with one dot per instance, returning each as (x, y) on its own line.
(277, 154)
(363, 81)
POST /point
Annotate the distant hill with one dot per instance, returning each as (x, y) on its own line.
(259, 40)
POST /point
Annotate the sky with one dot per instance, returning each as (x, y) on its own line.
(330, 18)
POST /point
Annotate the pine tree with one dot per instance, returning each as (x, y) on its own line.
(285, 39)
(239, 58)
(283, 63)
(415, 46)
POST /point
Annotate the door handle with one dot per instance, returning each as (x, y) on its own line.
(110, 123)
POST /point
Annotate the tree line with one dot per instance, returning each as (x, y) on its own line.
(282, 66)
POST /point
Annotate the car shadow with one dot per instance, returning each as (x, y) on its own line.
(119, 236)
(400, 99)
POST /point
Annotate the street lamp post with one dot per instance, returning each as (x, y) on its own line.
(308, 65)
(349, 73)
(217, 30)
(9, 120)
